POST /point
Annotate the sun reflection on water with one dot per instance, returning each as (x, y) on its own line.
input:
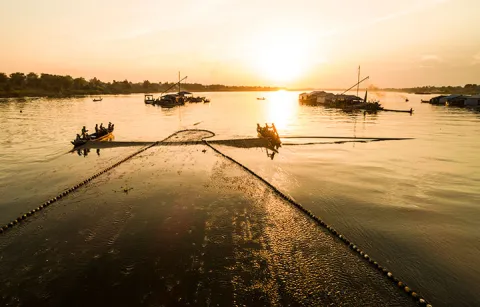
(282, 109)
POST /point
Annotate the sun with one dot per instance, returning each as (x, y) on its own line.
(281, 56)
(280, 63)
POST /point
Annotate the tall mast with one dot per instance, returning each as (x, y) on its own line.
(358, 80)
(179, 82)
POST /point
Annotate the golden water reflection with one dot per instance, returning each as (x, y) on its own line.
(282, 109)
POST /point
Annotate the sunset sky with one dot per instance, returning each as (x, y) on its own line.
(244, 42)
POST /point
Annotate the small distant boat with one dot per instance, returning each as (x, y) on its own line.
(98, 99)
(425, 101)
(149, 99)
(260, 98)
(206, 100)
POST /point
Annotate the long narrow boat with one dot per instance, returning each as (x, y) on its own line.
(93, 138)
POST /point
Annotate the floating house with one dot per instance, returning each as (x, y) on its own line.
(444, 100)
(456, 100)
(472, 101)
(436, 100)
(328, 99)
(316, 98)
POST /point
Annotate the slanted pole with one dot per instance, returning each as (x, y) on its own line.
(355, 85)
(358, 80)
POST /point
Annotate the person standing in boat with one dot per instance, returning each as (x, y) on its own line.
(109, 126)
(84, 132)
(96, 129)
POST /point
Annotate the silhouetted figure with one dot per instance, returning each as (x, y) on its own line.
(84, 132)
(98, 151)
(96, 129)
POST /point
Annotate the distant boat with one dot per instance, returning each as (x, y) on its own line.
(425, 101)
(98, 99)
(149, 99)
(260, 98)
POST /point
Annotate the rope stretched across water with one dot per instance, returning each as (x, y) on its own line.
(332, 230)
(342, 137)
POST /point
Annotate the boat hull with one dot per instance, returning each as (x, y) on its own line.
(104, 137)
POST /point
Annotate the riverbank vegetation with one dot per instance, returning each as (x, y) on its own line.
(467, 89)
(47, 85)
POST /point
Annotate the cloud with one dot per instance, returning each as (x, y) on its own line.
(431, 58)
(476, 59)
(420, 6)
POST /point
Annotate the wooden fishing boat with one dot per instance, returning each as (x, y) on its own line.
(260, 98)
(149, 99)
(98, 99)
(270, 133)
(425, 101)
(195, 99)
(170, 101)
(108, 135)
(399, 111)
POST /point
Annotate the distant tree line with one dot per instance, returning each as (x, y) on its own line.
(32, 85)
(467, 89)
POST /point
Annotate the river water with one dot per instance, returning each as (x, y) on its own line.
(413, 205)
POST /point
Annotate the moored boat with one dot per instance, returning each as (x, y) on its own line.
(98, 99)
(149, 99)
(170, 100)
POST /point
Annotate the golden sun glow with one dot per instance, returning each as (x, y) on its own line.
(282, 55)
(279, 63)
